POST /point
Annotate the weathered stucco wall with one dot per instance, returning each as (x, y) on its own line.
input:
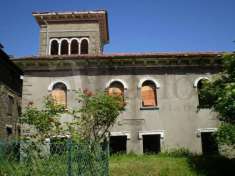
(177, 116)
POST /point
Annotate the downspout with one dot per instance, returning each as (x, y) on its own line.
(47, 39)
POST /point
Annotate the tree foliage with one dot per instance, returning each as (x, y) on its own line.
(92, 119)
(97, 114)
(221, 92)
(46, 120)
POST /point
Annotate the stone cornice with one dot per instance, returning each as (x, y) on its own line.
(100, 16)
(152, 60)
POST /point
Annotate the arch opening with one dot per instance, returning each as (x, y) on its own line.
(84, 46)
(116, 89)
(59, 94)
(54, 47)
(64, 47)
(74, 47)
(203, 100)
(148, 94)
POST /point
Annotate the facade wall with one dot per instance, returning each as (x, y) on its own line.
(89, 30)
(10, 97)
(176, 117)
(9, 120)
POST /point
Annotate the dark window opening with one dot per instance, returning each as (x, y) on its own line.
(9, 131)
(74, 47)
(64, 47)
(209, 144)
(84, 47)
(58, 145)
(10, 105)
(151, 144)
(19, 131)
(117, 144)
(203, 100)
(54, 47)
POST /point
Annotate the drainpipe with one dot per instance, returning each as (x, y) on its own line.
(47, 39)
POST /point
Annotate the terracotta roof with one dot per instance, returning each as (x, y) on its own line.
(100, 16)
(128, 55)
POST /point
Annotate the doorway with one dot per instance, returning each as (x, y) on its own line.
(152, 143)
(209, 144)
(117, 144)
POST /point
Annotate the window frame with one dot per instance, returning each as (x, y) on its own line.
(196, 83)
(157, 86)
(65, 91)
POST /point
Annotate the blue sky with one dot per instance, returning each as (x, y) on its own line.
(134, 26)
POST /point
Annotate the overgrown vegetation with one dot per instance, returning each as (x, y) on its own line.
(170, 165)
(98, 112)
(91, 120)
(52, 147)
(221, 93)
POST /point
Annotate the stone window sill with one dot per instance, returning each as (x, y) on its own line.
(150, 108)
(203, 107)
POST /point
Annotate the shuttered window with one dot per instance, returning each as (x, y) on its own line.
(59, 94)
(148, 94)
(116, 89)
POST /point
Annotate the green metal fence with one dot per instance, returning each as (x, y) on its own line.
(54, 158)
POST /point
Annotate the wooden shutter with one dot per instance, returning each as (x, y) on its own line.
(115, 91)
(148, 95)
(59, 96)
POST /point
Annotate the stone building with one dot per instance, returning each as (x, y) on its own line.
(10, 96)
(164, 110)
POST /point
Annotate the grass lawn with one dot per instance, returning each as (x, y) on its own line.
(162, 165)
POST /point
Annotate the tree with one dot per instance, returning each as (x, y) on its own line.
(221, 92)
(45, 121)
(97, 114)
(92, 120)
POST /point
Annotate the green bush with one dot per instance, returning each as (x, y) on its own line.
(226, 134)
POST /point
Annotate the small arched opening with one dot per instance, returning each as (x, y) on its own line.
(54, 47)
(84, 46)
(74, 47)
(64, 47)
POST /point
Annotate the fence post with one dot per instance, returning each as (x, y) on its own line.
(69, 159)
(106, 157)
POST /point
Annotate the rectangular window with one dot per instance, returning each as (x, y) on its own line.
(10, 105)
(152, 143)
(118, 144)
(9, 130)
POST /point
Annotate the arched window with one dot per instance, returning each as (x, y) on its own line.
(54, 47)
(84, 46)
(64, 47)
(74, 47)
(148, 94)
(116, 89)
(59, 94)
(203, 100)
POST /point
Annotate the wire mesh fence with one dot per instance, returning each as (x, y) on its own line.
(54, 158)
